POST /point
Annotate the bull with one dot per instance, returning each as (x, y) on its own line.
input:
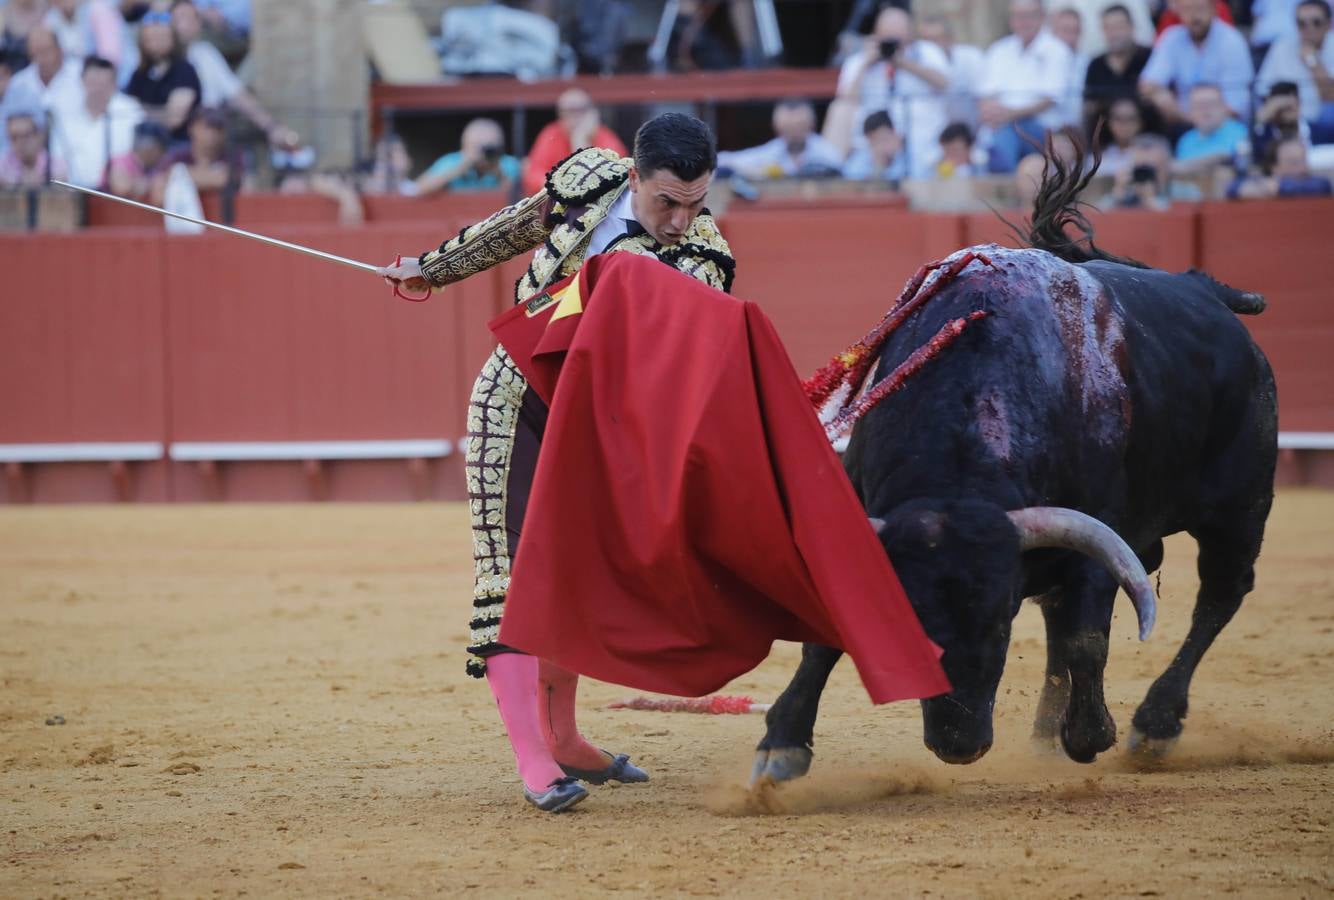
(1100, 406)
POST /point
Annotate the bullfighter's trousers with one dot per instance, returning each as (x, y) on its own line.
(505, 425)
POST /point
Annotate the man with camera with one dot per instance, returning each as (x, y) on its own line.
(897, 74)
(480, 163)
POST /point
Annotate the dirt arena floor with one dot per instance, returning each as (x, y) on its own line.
(270, 702)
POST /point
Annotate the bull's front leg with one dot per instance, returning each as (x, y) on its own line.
(1055, 681)
(785, 752)
(1080, 624)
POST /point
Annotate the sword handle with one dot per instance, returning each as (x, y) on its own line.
(398, 260)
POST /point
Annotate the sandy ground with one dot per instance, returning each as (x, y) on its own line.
(270, 701)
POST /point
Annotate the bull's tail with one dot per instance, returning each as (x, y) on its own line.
(1243, 303)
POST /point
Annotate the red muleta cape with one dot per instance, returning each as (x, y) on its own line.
(687, 509)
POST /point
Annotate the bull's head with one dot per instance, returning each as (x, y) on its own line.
(960, 564)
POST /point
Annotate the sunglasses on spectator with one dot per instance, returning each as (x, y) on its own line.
(1311, 23)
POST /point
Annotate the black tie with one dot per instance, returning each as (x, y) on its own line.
(633, 229)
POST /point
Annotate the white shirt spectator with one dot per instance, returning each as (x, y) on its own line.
(1072, 104)
(97, 28)
(217, 81)
(917, 109)
(1283, 63)
(1224, 59)
(26, 90)
(1019, 76)
(966, 64)
(772, 159)
(1092, 42)
(88, 143)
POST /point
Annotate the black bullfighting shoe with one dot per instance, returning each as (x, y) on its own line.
(559, 796)
(621, 769)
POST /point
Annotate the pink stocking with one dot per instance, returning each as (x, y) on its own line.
(513, 681)
(555, 701)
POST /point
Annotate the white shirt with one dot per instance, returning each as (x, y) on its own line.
(772, 159)
(612, 227)
(1072, 105)
(917, 109)
(966, 62)
(88, 143)
(26, 90)
(1283, 63)
(1020, 76)
(218, 82)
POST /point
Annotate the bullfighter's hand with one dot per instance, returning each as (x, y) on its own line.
(407, 274)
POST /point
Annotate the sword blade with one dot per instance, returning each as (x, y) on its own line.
(239, 232)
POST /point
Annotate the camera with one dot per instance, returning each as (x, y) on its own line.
(1144, 175)
(888, 48)
(492, 152)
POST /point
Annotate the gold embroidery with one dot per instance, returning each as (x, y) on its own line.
(497, 238)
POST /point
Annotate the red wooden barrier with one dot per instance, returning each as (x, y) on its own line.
(1282, 248)
(129, 335)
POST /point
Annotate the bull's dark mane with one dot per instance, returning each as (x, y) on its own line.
(1058, 224)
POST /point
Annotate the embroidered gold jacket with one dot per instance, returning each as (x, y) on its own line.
(559, 221)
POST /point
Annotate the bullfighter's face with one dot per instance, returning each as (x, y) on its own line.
(959, 564)
(666, 204)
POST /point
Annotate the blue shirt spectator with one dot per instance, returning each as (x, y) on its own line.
(1201, 49)
(1216, 133)
(881, 159)
(480, 163)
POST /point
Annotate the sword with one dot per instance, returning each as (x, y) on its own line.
(240, 232)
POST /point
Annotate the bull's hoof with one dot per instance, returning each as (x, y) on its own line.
(781, 764)
(1083, 746)
(1046, 744)
(1147, 749)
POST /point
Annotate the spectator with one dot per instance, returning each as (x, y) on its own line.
(895, 73)
(17, 19)
(1115, 74)
(1147, 183)
(227, 25)
(1093, 41)
(132, 174)
(1023, 84)
(25, 163)
(218, 84)
(9, 64)
(99, 127)
(1171, 15)
(1066, 27)
(1279, 117)
(965, 69)
(50, 80)
(212, 165)
(1308, 62)
(1216, 134)
(796, 151)
(1125, 121)
(388, 170)
(1027, 180)
(956, 152)
(881, 159)
(1201, 48)
(1289, 176)
(578, 125)
(87, 28)
(480, 163)
(165, 82)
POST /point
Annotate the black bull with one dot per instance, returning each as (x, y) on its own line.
(1130, 394)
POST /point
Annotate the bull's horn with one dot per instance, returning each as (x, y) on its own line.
(1054, 526)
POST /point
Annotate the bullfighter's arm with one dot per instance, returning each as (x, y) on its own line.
(504, 235)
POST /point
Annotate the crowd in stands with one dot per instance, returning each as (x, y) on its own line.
(1180, 99)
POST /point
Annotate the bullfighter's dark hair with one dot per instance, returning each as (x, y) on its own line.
(681, 144)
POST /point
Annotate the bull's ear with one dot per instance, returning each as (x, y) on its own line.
(877, 524)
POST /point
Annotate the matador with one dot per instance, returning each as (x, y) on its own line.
(593, 202)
